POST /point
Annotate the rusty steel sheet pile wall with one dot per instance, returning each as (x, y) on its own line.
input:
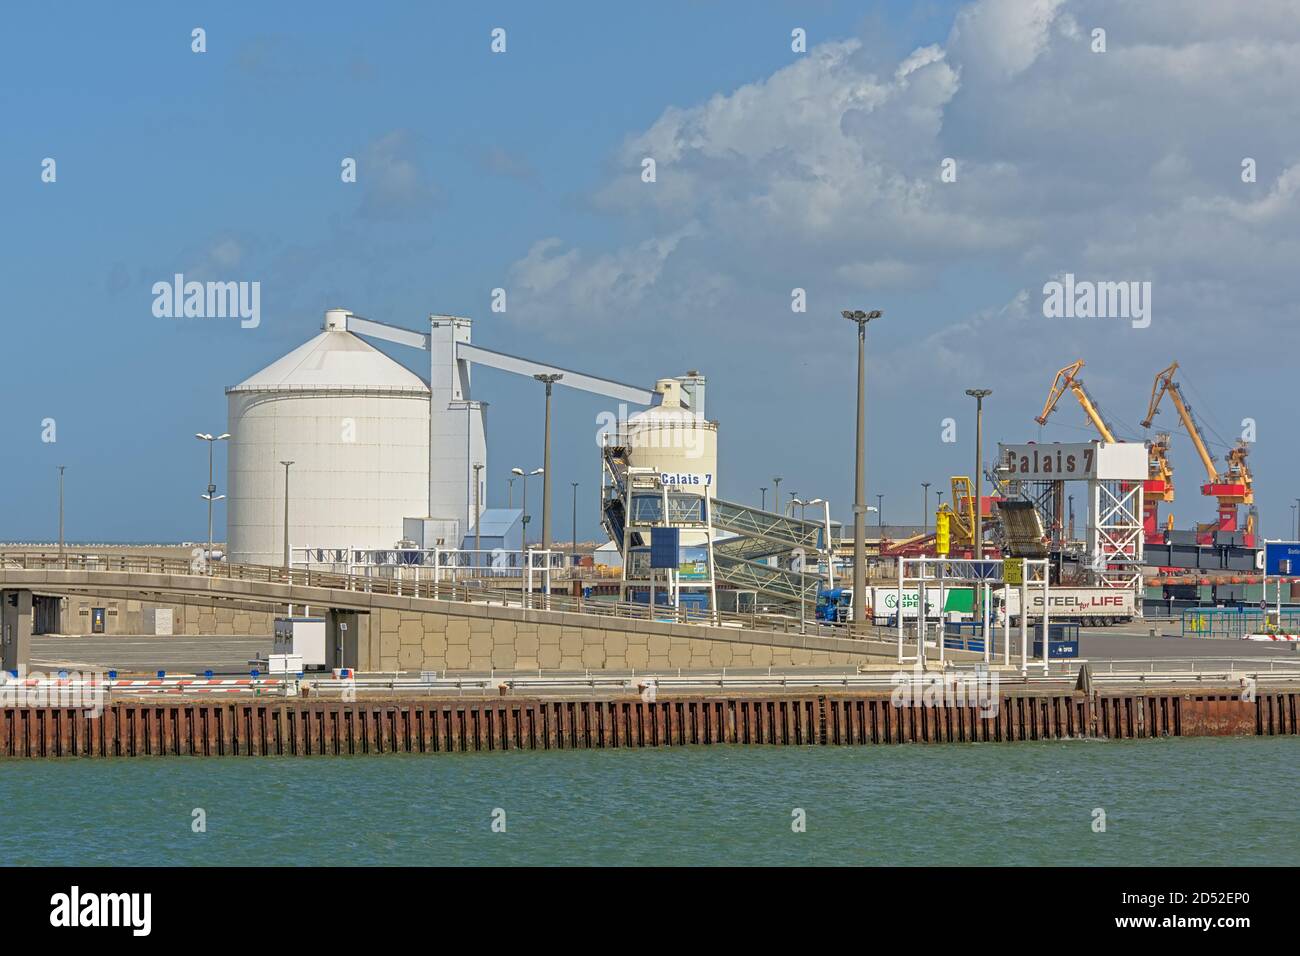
(311, 728)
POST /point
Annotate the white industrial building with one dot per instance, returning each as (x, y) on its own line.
(379, 455)
(354, 423)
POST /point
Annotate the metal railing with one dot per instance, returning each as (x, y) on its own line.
(1235, 622)
(1189, 665)
(428, 589)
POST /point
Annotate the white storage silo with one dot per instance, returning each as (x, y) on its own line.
(355, 424)
(675, 441)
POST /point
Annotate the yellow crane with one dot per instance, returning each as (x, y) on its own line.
(1234, 485)
(963, 513)
(1067, 379)
(958, 519)
(1158, 487)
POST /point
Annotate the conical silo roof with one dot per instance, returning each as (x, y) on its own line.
(333, 360)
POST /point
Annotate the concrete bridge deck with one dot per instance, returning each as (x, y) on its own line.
(387, 623)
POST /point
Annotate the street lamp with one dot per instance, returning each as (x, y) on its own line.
(211, 495)
(860, 470)
(478, 515)
(548, 380)
(789, 509)
(979, 394)
(880, 514)
(776, 493)
(510, 492)
(925, 508)
(575, 523)
(525, 475)
(763, 506)
(63, 561)
(286, 514)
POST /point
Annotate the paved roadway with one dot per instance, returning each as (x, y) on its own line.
(1128, 642)
(148, 654)
(1134, 642)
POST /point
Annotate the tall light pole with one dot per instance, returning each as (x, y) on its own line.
(478, 515)
(979, 394)
(525, 475)
(860, 471)
(211, 495)
(510, 493)
(776, 493)
(286, 514)
(790, 507)
(547, 380)
(575, 523)
(62, 559)
(925, 508)
(763, 506)
(880, 515)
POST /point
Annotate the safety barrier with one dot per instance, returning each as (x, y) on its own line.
(1233, 622)
(422, 588)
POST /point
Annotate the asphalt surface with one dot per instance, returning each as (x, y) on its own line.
(1134, 642)
(148, 654)
(1128, 643)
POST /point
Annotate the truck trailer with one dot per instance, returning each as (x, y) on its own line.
(1092, 606)
(835, 605)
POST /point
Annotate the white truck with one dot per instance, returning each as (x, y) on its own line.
(836, 605)
(1094, 606)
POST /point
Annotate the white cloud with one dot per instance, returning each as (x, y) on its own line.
(394, 185)
(563, 287)
(1116, 166)
(1000, 39)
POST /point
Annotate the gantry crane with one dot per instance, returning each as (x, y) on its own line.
(963, 513)
(1233, 486)
(1067, 378)
(1158, 487)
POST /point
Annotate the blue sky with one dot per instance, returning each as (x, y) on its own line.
(777, 170)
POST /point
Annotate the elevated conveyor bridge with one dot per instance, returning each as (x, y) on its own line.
(758, 534)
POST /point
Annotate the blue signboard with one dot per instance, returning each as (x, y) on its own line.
(664, 547)
(1282, 557)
